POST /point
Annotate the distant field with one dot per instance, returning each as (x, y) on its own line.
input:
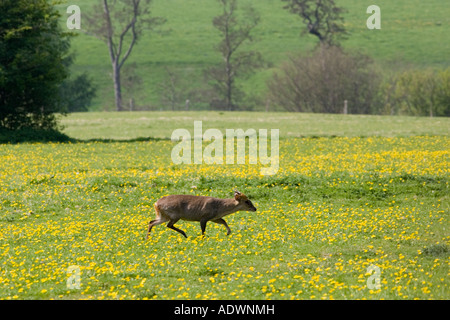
(414, 33)
(131, 125)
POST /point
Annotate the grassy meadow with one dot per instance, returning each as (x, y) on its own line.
(413, 33)
(351, 193)
(135, 125)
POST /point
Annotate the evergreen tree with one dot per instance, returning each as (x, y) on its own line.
(33, 49)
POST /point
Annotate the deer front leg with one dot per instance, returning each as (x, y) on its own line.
(221, 221)
(203, 225)
(171, 226)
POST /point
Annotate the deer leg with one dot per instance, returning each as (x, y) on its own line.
(203, 225)
(159, 219)
(154, 223)
(221, 221)
(170, 225)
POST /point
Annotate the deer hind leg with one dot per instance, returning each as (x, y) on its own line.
(221, 221)
(159, 219)
(170, 225)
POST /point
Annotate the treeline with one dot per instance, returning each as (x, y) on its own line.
(331, 80)
(36, 84)
(327, 79)
(416, 92)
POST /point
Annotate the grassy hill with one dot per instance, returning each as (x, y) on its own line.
(413, 33)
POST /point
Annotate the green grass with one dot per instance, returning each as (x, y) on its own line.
(132, 125)
(413, 33)
(338, 205)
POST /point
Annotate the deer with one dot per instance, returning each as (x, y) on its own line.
(198, 208)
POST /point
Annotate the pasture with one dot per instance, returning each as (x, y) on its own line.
(352, 193)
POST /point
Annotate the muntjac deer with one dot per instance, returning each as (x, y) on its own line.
(198, 208)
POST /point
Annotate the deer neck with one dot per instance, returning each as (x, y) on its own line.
(229, 206)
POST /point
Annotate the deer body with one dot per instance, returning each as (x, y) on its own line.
(197, 208)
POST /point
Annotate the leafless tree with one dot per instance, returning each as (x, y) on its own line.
(235, 62)
(173, 89)
(120, 23)
(322, 18)
(323, 80)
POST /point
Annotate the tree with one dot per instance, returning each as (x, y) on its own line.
(172, 89)
(132, 83)
(323, 80)
(77, 93)
(120, 24)
(419, 93)
(235, 63)
(322, 18)
(443, 93)
(33, 50)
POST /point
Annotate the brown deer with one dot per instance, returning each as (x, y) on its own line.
(198, 208)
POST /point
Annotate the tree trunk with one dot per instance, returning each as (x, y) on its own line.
(229, 96)
(229, 83)
(117, 87)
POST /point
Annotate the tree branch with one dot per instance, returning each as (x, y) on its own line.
(109, 33)
(131, 25)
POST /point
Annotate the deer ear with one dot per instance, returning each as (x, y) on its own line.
(240, 196)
